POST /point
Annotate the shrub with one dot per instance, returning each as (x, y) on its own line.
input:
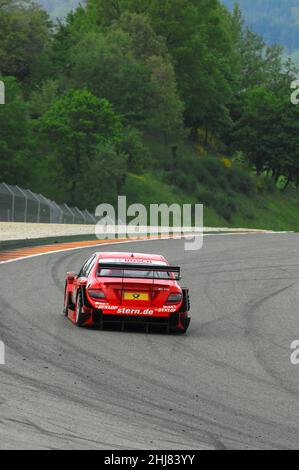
(183, 180)
(225, 207)
(212, 173)
(206, 197)
(223, 184)
(240, 181)
(265, 184)
(214, 167)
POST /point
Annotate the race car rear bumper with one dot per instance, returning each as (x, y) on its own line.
(174, 322)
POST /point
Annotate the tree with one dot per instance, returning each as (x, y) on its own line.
(106, 65)
(103, 177)
(41, 99)
(145, 42)
(15, 145)
(197, 36)
(254, 131)
(285, 160)
(165, 107)
(268, 133)
(24, 33)
(75, 125)
(131, 144)
(139, 81)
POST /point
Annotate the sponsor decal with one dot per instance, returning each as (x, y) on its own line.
(105, 306)
(136, 296)
(134, 311)
(167, 310)
(132, 261)
(131, 311)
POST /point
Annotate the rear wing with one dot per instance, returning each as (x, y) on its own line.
(139, 271)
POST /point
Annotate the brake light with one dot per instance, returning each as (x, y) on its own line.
(96, 294)
(174, 298)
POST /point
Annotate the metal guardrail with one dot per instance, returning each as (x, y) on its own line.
(22, 205)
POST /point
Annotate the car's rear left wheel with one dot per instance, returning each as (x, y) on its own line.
(66, 302)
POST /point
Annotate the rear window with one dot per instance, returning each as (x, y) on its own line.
(129, 273)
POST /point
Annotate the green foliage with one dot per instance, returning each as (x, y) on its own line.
(95, 57)
(131, 144)
(268, 131)
(15, 145)
(142, 87)
(225, 206)
(76, 126)
(207, 197)
(24, 33)
(41, 99)
(181, 88)
(102, 177)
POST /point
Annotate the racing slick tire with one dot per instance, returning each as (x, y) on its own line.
(185, 322)
(80, 315)
(180, 321)
(66, 304)
(179, 324)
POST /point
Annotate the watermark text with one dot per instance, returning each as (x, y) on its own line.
(2, 93)
(161, 220)
(2, 353)
(295, 354)
(295, 94)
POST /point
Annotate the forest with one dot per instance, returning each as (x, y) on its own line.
(173, 101)
(275, 20)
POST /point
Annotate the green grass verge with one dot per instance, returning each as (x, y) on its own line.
(270, 210)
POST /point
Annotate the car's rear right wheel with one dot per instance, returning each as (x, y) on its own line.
(183, 326)
(179, 323)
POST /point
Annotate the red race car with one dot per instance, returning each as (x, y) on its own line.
(127, 288)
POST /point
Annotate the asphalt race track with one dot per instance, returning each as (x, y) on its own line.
(228, 384)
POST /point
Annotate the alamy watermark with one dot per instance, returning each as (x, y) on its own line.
(161, 220)
(2, 93)
(2, 353)
(295, 354)
(295, 93)
(294, 358)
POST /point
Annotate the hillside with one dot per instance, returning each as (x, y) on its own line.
(126, 101)
(276, 20)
